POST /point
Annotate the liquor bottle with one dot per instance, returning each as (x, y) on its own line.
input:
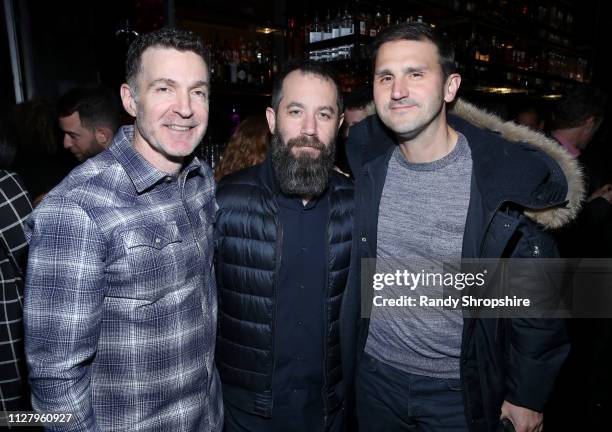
(307, 27)
(376, 22)
(337, 25)
(316, 33)
(327, 27)
(290, 38)
(347, 23)
(360, 19)
(242, 69)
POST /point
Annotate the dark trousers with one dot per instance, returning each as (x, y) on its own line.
(237, 420)
(390, 400)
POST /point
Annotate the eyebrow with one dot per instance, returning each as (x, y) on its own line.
(406, 70)
(171, 82)
(301, 105)
(200, 84)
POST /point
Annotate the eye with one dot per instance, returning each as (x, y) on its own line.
(200, 93)
(325, 115)
(385, 79)
(162, 89)
(416, 75)
(294, 112)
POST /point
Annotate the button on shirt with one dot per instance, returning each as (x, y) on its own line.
(300, 320)
(120, 308)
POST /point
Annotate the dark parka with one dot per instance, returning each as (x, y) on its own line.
(248, 241)
(516, 192)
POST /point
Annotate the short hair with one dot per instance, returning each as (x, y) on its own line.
(576, 106)
(416, 31)
(306, 67)
(166, 37)
(97, 106)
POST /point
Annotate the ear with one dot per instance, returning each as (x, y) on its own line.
(128, 100)
(104, 136)
(271, 117)
(451, 87)
(589, 122)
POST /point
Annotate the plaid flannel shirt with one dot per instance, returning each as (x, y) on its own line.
(120, 304)
(15, 206)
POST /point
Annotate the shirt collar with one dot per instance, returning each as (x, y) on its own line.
(142, 174)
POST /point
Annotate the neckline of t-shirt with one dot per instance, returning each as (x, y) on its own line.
(460, 150)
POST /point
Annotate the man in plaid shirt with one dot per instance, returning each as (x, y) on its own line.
(120, 305)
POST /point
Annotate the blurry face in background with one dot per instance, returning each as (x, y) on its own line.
(80, 140)
(588, 130)
(530, 119)
(351, 117)
(304, 130)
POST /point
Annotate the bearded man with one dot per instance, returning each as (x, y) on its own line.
(282, 239)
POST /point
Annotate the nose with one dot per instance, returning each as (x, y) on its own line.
(67, 141)
(399, 90)
(309, 125)
(183, 104)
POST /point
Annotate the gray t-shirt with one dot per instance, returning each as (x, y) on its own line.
(420, 226)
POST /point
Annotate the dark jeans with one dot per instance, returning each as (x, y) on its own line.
(390, 400)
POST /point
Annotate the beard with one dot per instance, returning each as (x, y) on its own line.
(302, 175)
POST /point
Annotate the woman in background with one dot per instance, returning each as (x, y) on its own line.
(247, 146)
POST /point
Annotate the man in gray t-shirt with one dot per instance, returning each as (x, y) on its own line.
(449, 190)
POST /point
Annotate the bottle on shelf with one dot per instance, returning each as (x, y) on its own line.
(377, 22)
(360, 20)
(347, 23)
(315, 30)
(337, 25)
(327, 27)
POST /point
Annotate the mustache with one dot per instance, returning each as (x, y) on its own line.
(402, 102)
(306, 141)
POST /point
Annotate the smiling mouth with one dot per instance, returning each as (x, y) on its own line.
(179, 128)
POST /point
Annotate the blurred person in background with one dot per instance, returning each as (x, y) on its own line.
(247, 146)
(576, 122)
(15, 206)
(40, 161)
(530, 117)
(358, 106)
(89, 118)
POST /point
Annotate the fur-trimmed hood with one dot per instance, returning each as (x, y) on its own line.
(553, 217)
(512, 163)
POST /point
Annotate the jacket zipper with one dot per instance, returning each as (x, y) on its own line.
(279, 254)
(326, 318)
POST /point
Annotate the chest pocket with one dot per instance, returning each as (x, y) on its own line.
(156, 236)
(155, 260)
